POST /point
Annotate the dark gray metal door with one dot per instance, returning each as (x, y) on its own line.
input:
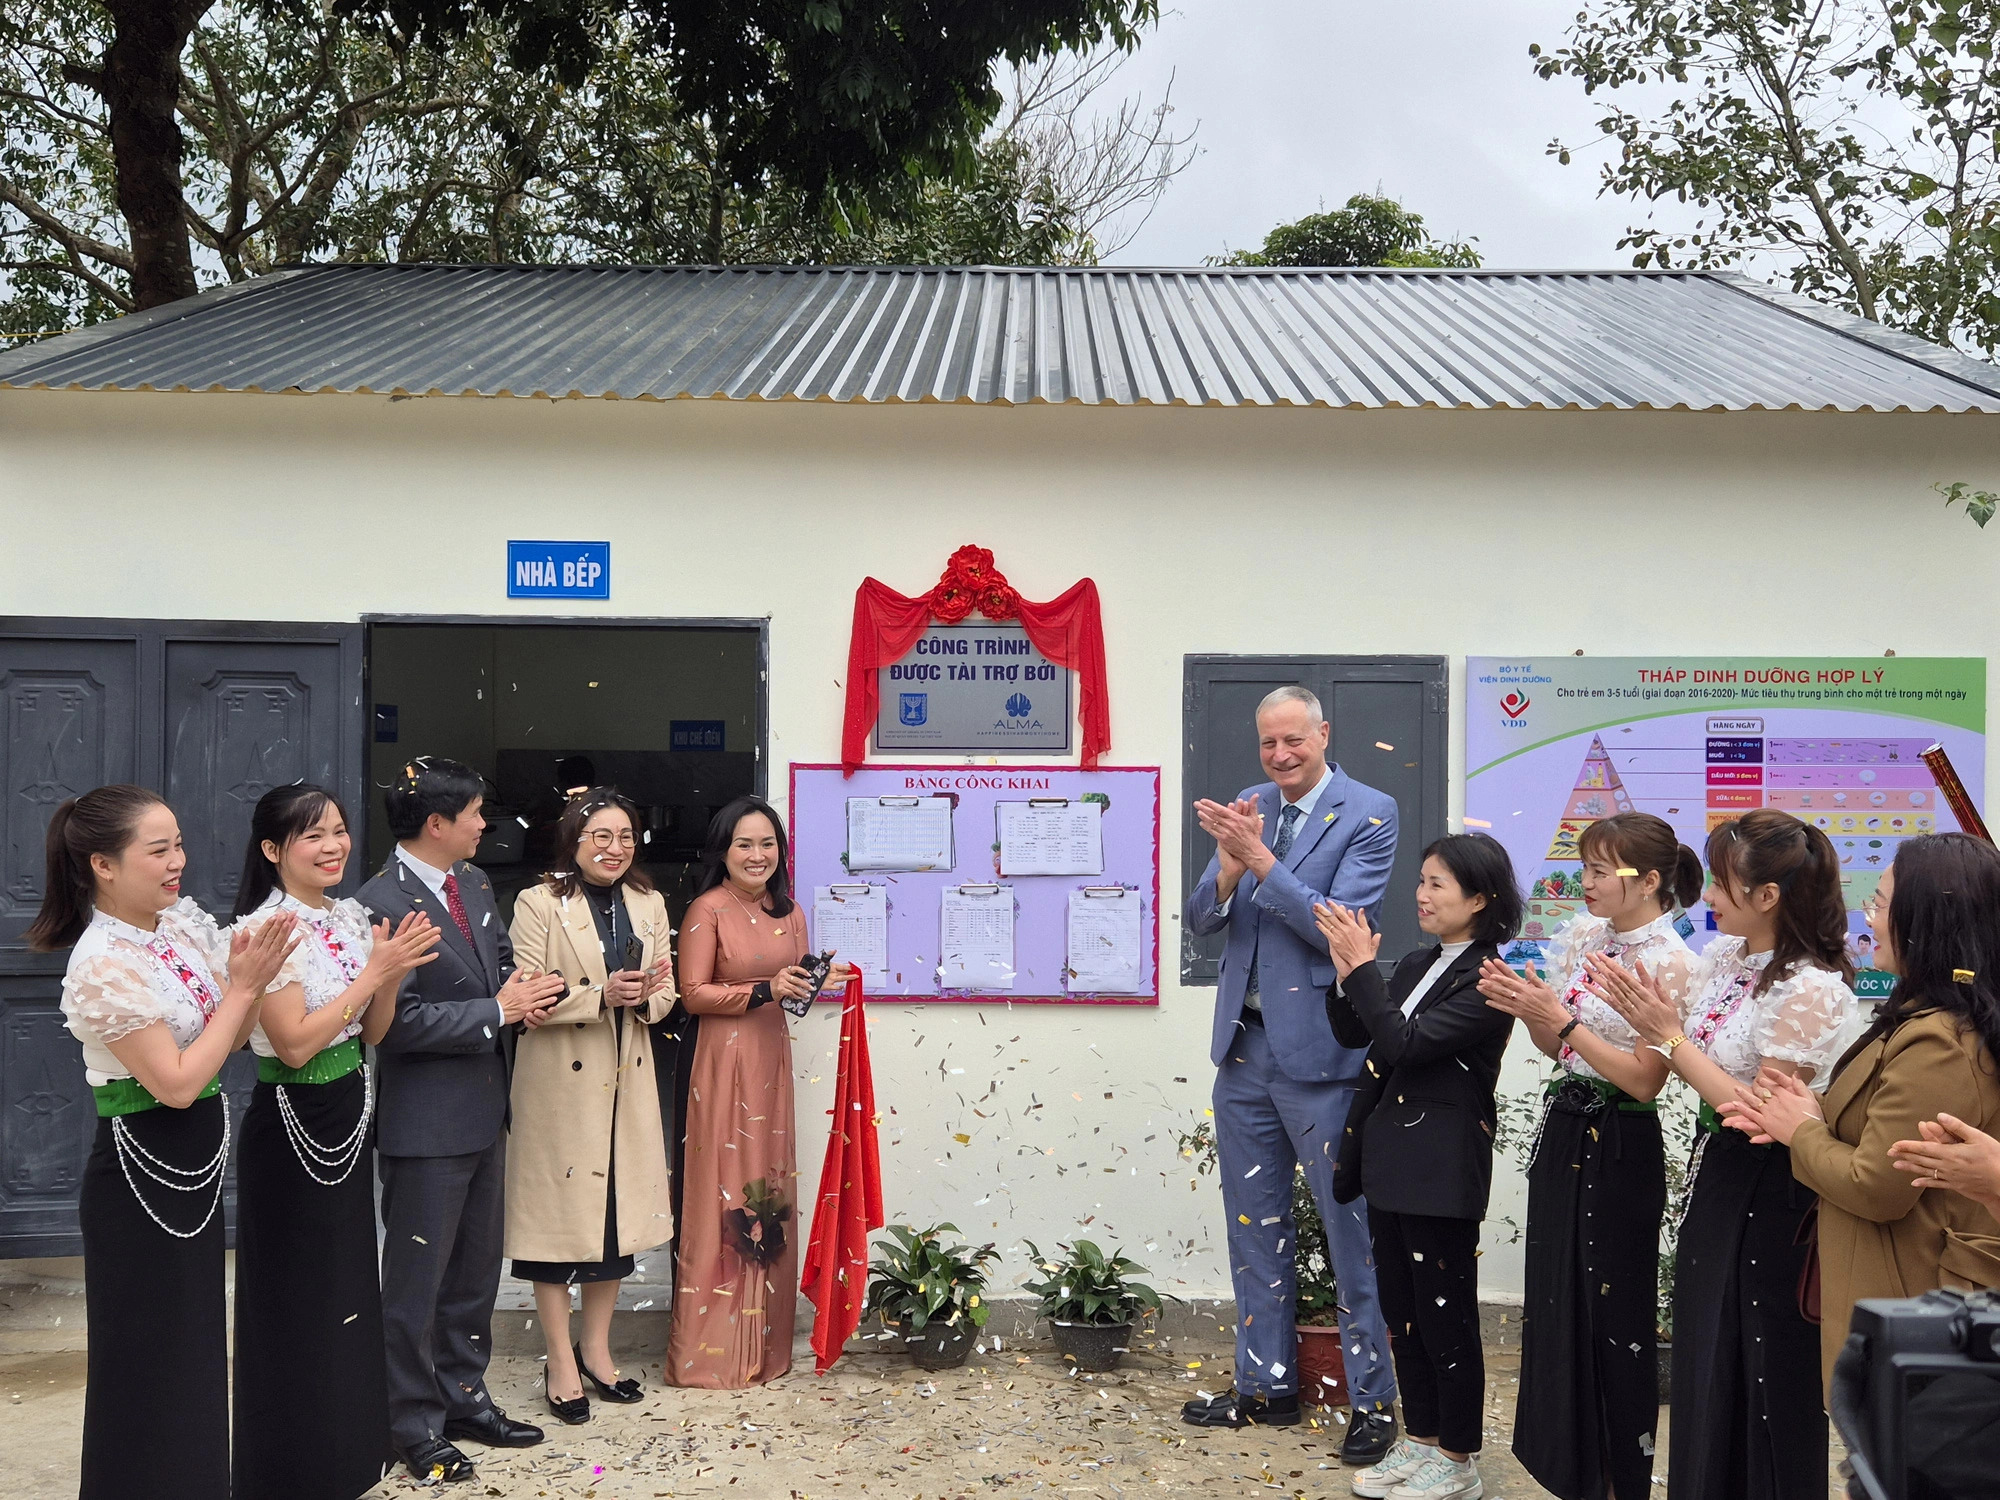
(1389, 716)
(211, 714)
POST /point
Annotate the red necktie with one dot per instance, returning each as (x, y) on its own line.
(457, 908)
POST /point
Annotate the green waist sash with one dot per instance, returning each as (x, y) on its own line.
(322, 1067)
(128, 1096)
(1610, 1093)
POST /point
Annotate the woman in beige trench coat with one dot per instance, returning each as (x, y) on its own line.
(586, 1160)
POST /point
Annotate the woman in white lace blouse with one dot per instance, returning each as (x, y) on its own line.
(1772, 992)
(158, 997)
(312, 1400)
(1597, 1185)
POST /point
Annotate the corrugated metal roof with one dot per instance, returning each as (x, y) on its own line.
(1101, 336)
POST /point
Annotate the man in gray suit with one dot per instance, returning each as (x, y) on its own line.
(1283, 1083)
(441, 1123)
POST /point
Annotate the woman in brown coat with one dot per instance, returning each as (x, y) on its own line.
(586, 1158)
(1932, 1046)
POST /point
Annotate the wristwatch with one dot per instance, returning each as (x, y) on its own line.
(1666, 1048)
(1574, 1022)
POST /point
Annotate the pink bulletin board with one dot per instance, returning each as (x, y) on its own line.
(1131, 834)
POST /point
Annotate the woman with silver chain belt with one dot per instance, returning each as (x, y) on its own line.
(312, 1415)
(1597, 1186)
(159, 997)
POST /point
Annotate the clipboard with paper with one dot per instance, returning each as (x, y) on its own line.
(899, 833)
(1104, 952)
(1050, 836)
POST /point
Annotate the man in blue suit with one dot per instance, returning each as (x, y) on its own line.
(1282, 1083)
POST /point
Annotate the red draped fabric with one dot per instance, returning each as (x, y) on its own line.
(835, 1277)
(1068, 630)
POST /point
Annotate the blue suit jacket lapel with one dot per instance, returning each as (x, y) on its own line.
(1317, 822)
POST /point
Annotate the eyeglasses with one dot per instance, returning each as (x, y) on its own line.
(604, 838)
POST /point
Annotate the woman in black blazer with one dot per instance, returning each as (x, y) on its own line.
(1419, 1145)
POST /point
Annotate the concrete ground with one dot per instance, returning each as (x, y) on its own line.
(1013, 1421)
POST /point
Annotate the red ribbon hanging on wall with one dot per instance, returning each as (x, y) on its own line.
(1068, 630)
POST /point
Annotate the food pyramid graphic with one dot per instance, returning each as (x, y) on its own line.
(1557, 894)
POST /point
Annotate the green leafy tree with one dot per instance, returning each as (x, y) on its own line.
(311, 137)
(815, 102)
(1369, 230)
(1849, 145)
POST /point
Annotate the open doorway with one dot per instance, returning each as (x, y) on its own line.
(673, 715)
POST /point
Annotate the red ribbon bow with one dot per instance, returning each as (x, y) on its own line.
(1068, 630)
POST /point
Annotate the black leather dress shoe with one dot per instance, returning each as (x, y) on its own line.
(1232, 1409)
(494, 1428)
(437, 1462)
(620, 1392)
(1369, 1436)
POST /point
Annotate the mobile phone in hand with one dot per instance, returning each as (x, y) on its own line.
(817, 967)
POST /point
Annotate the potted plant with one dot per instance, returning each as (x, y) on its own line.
(1322, 1370)
(930, 1292)
(1091, 1302)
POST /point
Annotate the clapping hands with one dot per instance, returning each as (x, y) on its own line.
(1348, 938)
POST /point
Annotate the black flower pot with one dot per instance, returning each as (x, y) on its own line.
(938, 1346)
(1095, 1347)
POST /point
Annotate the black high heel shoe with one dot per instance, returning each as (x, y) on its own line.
(571, 1413)
(624, 1393)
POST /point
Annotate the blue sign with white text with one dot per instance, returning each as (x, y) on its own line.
(559, 570)
(695, 734)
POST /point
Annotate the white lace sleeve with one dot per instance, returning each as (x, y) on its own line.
(1566, 949)
(292, 971)
(189, 922)
(106, 999)
(353, 926)
(1677, 970)
(1804, 1019)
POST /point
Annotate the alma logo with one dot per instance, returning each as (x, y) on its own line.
(1514, 705)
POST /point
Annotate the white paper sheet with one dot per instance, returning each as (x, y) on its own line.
(1051, 838)
(852, 922)
(1104, 955)
(899, 833)
(977, 938)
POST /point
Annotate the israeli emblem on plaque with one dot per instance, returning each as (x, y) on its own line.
(1018, 706)
(915, 708)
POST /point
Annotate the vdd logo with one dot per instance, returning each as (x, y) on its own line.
(1018, 706)
(915, 708)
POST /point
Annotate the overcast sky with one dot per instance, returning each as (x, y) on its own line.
(1433, 102)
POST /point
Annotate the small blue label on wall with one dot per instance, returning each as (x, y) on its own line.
(559, 570)
(695, 734)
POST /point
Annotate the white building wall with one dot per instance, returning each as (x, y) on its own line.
(1207, 530)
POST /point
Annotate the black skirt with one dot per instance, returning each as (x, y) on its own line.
(1590, 1381)
(156, 1402)
(312, 1393)
(610, 1266)
(1747, 1416)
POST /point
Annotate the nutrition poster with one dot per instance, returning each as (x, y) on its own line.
(1554, 743)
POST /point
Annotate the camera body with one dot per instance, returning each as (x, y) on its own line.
(1916, 1393)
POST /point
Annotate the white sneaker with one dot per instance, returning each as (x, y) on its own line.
(1402, 1460)
(1441, 1478)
